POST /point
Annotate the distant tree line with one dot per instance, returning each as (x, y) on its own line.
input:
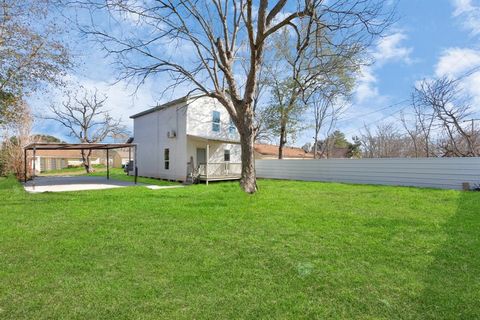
(439, 122)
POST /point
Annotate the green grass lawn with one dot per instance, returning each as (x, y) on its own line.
(74, 170)
(294, 250)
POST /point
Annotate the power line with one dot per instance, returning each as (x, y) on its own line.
(459, 78)
(378, 120)
(374, 111)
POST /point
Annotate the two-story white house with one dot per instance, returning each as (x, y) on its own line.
(190, 136)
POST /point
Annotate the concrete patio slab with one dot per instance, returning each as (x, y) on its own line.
(163, 187)
(74, 183)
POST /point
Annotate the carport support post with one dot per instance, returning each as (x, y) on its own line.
(34, 160)
(129, 160)
(108, 167)
(135, 162)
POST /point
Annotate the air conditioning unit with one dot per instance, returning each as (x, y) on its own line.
(171, 134)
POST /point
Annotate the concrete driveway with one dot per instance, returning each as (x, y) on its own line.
(74, 183)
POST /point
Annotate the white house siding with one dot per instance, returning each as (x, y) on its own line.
(445, 173)
(199, 120)
(151, 136)
(192, 122)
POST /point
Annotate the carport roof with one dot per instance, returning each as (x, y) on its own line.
(77, 146)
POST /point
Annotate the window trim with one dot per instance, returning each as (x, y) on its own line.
(225, 153)
(231, 127)
(166, 158)
(216, 124)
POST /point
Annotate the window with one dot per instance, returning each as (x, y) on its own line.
(166, 157)
(226, 155)
(216, 121)
(231, 127)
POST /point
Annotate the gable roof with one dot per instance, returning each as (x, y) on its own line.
(183, 99)
(288, 152)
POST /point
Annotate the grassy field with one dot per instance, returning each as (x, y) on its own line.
(74, 170)
(294, 250)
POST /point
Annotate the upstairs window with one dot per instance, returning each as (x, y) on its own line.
(226, 155)
(216, 121)
(231, 127)
(166, 157)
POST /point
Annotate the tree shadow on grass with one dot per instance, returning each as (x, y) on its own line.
(452, 281)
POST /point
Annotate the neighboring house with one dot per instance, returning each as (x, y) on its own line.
(270, 151)
(46, 160)
(336, 153)
(190, 136)
(119, 158)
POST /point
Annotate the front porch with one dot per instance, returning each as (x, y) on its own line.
(213, 159)
(219, 171)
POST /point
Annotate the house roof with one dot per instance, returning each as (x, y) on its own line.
(166, 105)
(76, 146)
(288, 152)
(338, 153)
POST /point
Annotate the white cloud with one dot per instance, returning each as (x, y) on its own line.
(390, 49)
(456, 61)
(461, 63)
(469, 13)
(367, 97)
(366, 88)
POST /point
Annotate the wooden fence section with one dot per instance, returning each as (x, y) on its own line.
(445, 173)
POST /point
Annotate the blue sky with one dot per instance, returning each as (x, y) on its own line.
(430, 38)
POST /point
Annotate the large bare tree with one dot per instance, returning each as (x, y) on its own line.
(451, 108)
(326, 112)
(385, 141)
(31, 54)
(420, 127)
(214, 38)
(84, 115)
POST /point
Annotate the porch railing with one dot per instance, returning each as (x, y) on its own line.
(220, 169)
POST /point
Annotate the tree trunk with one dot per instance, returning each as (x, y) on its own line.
(283, 140)
(248, 181)
(315, 145)
(427, 147)
(86, 160)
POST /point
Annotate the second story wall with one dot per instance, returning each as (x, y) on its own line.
(206, 117)
(153, 134)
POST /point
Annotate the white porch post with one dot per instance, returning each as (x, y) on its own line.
(34, 161)
(207, 156)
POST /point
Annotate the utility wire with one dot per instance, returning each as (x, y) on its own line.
(374, 111)
(459, 78)
(378, 120)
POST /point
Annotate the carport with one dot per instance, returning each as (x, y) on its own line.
(82, 147)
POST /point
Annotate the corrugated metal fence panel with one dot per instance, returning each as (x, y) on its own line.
(446, 173)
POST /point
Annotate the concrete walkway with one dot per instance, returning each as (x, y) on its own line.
(74, 183)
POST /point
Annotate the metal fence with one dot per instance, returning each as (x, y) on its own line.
(445, 173)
